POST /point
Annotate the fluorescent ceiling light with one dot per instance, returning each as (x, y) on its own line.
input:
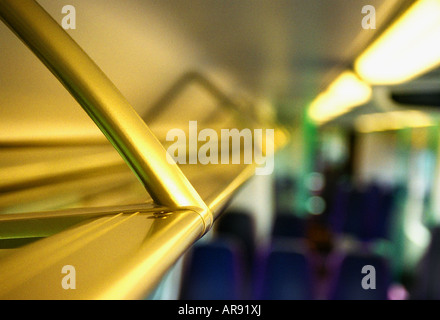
(407, 49)
(343, 94)
(393, 120)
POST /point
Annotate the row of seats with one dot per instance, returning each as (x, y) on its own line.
(365, 213)
(368, 214)
(215, 272)
(231, 267)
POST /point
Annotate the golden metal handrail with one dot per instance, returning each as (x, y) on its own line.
(103, 102)
(119, 251)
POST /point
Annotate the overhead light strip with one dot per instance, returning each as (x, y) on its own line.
(407, 49)
(343, 94)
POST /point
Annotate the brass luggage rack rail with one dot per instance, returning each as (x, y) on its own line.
(122, 251)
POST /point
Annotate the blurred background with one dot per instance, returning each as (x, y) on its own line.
(352, 86)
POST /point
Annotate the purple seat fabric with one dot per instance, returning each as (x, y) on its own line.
(288, 225)
(284, 273)
(213, 272)
(363, 213)
(346, 281)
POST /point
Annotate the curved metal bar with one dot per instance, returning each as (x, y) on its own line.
(104, 103)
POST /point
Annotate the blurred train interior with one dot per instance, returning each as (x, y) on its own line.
(350, 206)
